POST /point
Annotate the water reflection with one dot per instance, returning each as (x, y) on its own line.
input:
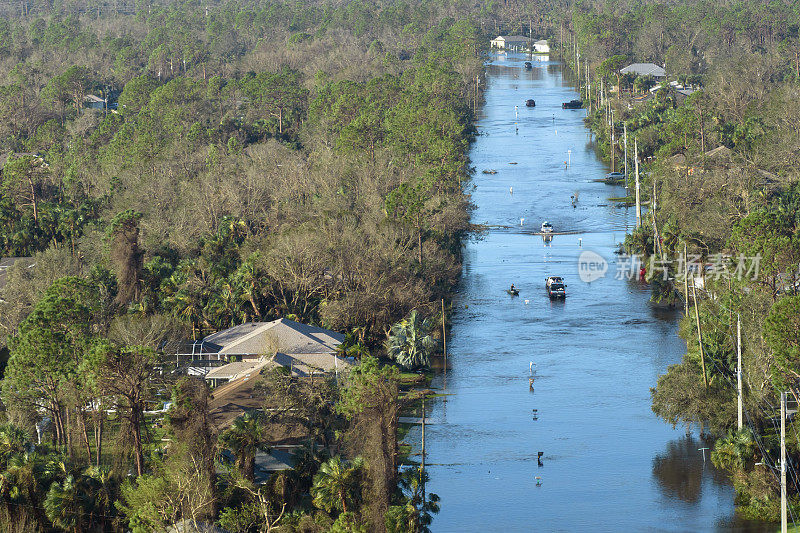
(679, 470)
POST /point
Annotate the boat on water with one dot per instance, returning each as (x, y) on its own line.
(530, 103)
(547, 227)
(513, 292)
(553, 279)
(528, 65)
(556, 288)
(572, 104)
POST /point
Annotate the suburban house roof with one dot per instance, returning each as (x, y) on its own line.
(235, 370)
(541, 41)
(265, 338)
(305, 364)
(512, 38)
(93, 99)
(644, 69)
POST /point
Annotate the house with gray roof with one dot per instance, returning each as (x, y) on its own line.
(302, 348)
(510, 42)
(645, 69)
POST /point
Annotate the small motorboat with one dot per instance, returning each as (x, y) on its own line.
(528, 65)
(530, 103)
(489, 171)
(572, 104)
(553, 279)
(547, 227)
(513, 292)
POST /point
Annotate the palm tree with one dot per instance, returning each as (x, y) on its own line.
(81, 501)
(335, 484)
(663, 291)
(248, 280)
(735, 450)
(409, 342)
(103, 485)
(352, 347)
(245, 436)
(12, 440)
(67, 504)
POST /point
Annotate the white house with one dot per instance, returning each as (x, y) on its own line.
(541, 47)
(510, 42)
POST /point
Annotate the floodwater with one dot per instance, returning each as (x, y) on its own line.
(608, 463)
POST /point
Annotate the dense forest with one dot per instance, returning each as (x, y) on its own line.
(175, 169)
(718, 150)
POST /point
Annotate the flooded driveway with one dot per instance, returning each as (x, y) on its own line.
(608, 463)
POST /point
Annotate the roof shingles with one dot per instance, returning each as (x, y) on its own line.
(265, 338)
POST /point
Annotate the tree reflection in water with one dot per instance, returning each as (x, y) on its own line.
(679, 470)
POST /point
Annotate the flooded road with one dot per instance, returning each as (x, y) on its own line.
(609, 464)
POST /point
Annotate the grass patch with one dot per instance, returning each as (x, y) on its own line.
(622, 201)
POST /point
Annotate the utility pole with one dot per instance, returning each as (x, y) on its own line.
(611, 153)
(530, 39)
(653, 207)
(656, 236)
(588, 86)
(739, 369)
(636, 165)
(784, 524)
(699, 335)
(602, 91)
(422, 464)
(625, 134)
(685, 281)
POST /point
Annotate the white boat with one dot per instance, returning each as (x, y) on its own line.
(553, 279)
(547, 227)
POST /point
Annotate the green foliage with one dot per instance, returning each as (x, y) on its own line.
(782, 333)
(243, 519)
(336, 484)
(416, 514)
(681, 398)
(735, 451)
(367, 380)
(348, 522)
(773, 235)
(136, 94)
(244, 438)
(148, 504)
(410, 343)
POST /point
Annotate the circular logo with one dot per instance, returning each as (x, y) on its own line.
(591, 266)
